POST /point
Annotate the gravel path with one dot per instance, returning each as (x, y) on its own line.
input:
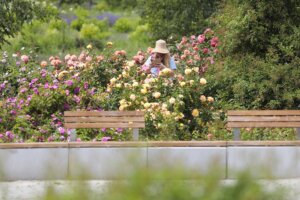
(31, 190)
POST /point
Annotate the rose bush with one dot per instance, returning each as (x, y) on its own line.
(35, 94)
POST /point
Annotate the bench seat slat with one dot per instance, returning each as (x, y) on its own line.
(263, 112)
(263, 119)
(263, 124)
(105, 125)
(103, 113)
(104, 119)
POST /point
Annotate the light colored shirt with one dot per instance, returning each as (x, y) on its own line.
(155, 70)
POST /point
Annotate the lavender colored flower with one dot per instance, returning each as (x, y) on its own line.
(76, 99)
(119, 130)
(62, 138)
(1, 135)
(86, 85)
(69, 82)
(35, 90)
(66, 106)
(67, 92)
(110, 17)
(76, 90)
(50, 139)
(46, 86)
(1, 120)
(23, 90)
(103, 129)
(105, 139)
(13, 112)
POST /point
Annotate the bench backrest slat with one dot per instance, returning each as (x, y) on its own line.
(263, 112)
(263, 118)
(104, 119)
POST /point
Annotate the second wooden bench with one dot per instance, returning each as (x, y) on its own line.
(263, 119)
(104, 119)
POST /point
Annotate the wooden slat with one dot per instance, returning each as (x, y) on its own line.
(34, 145)
(281, 118)
(263, 124)
(105, 125)
(103, 113)
(263, 143)
(104, 119)
(263, 112)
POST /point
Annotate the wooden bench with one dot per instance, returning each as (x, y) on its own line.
(104, 119)
(263, 119)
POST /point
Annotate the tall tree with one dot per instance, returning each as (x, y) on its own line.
(14, 13)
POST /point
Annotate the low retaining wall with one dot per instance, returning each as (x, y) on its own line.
(110, 160)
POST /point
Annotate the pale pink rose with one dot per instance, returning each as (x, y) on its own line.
(89, 58)
(208, 30)
(205, 50)
(25, 58)
(51, 58)
(149, 50)
(201, 38)
(183, 57)
(44, 63)
(73, 57)
(100, 58)
(67, 57)
(196, 48)
(183, 40)
(186, 52)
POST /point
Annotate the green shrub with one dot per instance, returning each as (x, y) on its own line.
(124, 25)
(92, 32)
(141, 34)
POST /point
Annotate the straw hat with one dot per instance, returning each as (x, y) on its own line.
(160, 47)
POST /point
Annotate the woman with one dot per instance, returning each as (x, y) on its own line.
(160, 58)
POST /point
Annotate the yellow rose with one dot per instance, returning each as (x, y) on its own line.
(192, 82)
(202, 98)
(89, 46)
(144, 91)
(210, 99)
(147, 105)
(172, 100)
(195, 112)
(132, 97)
(156, 95)
(113, 80)
(187, 71)
(203, 81)
(135, 84)
(119, 85)
(182, 83)
(109, 44)
(196, 69)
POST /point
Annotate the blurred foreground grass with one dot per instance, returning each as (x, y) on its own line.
(171, 184)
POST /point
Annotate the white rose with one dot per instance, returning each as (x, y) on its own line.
(172, 100)
(203, 81)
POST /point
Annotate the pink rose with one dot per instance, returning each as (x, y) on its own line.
(201, 38)
(25, 58)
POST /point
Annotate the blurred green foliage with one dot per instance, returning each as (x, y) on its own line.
(172, 184)
(176, 18)
(260, 61)
(15, 13)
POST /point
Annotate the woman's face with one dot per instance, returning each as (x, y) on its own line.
(157, 57)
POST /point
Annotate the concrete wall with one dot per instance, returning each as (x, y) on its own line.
(106, 161)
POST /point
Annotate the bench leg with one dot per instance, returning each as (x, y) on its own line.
(135, 134)
(72, 135)
(236, 134)
(298, 133)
